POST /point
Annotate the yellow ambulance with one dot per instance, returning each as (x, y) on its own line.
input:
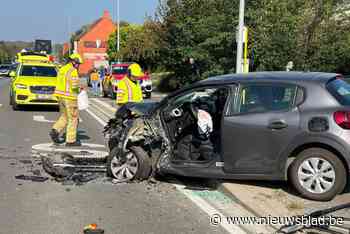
(34, 81)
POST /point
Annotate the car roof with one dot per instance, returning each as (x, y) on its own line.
(295, 77)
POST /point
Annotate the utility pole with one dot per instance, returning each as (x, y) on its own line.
(240, 37)
(69, 36)
(118, 25)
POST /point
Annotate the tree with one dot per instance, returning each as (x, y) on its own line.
(313, 34)
(136, 44)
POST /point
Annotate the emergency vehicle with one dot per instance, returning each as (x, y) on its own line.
(34, 80)
(117, 72)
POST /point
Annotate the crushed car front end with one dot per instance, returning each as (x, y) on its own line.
(136, 140)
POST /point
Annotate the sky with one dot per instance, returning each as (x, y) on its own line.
(28, 20)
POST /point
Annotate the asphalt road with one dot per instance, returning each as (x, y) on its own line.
(50, 207)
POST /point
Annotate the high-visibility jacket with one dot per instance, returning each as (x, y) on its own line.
(68, 82)
(128, 91)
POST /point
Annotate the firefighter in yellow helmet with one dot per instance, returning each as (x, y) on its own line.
(67, 90)
(129, 89)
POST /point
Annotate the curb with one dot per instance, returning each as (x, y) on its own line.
(225, 190)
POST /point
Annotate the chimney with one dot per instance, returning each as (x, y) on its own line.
(106, 15)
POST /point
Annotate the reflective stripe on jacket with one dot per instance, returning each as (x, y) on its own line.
(128, 91)
(68, 82)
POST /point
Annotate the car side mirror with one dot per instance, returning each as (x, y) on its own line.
(12, 74)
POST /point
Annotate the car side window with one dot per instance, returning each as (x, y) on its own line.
(265, 98)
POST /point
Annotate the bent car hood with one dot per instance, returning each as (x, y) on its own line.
(139, 109)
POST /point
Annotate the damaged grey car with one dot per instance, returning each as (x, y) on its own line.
(260, 126)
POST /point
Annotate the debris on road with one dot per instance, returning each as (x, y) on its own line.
(25, 161)
(71, 171)
(36, 172)
(92, 229)
(31, 178)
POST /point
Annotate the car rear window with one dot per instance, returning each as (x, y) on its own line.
(38, 71)
(340, 89)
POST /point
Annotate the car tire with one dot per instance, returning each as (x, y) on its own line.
(15, 106)
(136, 154)
(11, 100)
(307, 180)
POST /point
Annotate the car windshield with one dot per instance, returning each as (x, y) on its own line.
(119, 70)
(4, 67)
(42, 71)
(340, 89)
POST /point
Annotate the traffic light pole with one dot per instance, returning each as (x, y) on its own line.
(240, 38)
(118, 24)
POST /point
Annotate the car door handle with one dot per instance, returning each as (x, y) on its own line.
(278, 124)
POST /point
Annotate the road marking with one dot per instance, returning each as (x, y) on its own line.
(208, 209)
(0, 105)
(200, 202)
(103, 123)
(87, 150)
(109, 107)
(49, 146)
(41, 118)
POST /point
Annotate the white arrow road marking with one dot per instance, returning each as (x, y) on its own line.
(85, 151)
(50, 146)
(41, 118)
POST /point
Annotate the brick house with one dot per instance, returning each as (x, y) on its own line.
(92, 45)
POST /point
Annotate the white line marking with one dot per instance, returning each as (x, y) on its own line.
(0, 105)
(201, 203)
(41, 118)
(49, 146)
(210, 210)
(103, 123)
(101, 110)
(86, 151)
(111, 108)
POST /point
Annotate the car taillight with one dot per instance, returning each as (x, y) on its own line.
(342, 118)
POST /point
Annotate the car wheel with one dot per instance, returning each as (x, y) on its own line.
(11, 100)
(318, 174)
(135, 165)
(148, 95)
(15, 106)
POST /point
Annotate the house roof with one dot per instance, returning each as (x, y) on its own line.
(106, 15)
